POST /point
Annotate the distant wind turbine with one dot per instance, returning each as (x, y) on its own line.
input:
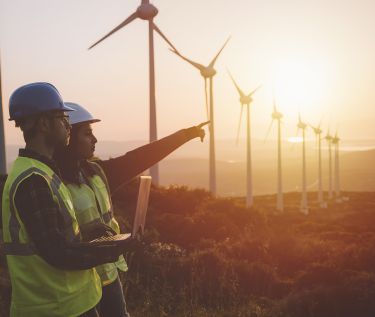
(301, 125)
(3, 169)
(318, 132)
(329, 139)
(276, 115)
(208, 72)
(146, 11)
(246, 100)
(336, 143)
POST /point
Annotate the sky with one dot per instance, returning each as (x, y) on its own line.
(316, 57)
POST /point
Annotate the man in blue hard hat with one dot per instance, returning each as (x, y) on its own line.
(52, 272)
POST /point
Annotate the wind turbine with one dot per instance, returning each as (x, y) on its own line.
(208, 72)
(318, 132)
(335, 142)
(301, 125)
(329, 139)
(146, 11)
(246, 100)
(3, 169)
(276, 115)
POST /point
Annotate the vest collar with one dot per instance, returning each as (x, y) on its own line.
(36, 156)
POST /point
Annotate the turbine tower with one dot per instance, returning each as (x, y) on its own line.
(329, 139)
(246, 100)
(146, 11)
(335, 142)
(3, 169)
(301, 125)
(318, 132)
(276, 115)
(208, 72)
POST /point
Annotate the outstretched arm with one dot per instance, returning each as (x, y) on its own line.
(122, 169)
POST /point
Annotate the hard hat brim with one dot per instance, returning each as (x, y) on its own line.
(66, 108)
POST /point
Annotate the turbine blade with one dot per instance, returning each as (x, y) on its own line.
(239, 126)
(235, 84)
(255, 90)
(155, 27)
(268, 131)
(217, 55)
(120, 26)
(274, 103)
(200, 67)
(320, 122)
(328, 135)
(206, 97)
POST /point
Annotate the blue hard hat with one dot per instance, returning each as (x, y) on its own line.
(35, 98)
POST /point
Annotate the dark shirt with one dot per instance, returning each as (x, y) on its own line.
(44, 225)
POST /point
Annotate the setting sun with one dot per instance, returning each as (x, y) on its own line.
(299, 84)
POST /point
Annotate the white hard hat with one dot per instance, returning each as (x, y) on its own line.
(80, 115)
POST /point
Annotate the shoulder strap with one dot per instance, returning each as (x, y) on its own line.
(99, 171)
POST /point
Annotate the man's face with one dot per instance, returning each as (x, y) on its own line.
(59, 129)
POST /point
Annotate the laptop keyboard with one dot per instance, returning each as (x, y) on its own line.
(117, 237)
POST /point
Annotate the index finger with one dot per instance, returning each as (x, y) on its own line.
(203, 124)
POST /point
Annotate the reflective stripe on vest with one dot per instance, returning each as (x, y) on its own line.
(39, 289)
(14, 225)
(84, 199)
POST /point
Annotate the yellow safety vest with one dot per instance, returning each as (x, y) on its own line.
(39, 289)
(86, 200)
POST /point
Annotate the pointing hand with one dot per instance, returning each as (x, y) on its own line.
(201, 132)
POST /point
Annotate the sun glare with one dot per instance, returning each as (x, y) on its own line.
(295, 139)
(299, 84)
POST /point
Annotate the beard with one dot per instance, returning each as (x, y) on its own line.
(57, 139)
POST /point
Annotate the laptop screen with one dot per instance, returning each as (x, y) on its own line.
(142, 204)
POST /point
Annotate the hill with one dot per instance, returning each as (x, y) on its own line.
(204, 256)
(213, 257)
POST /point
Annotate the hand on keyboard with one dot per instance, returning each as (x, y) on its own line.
(97, 230)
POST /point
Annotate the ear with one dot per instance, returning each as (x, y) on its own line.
(44, 124)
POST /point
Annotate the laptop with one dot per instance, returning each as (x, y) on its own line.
(139, 217)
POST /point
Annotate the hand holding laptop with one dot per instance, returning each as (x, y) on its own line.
(127, 241)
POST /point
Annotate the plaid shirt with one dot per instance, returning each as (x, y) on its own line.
(44, 225)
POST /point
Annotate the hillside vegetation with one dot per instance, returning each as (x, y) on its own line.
(212, 257)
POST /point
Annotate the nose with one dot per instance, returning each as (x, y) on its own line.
(95, 140)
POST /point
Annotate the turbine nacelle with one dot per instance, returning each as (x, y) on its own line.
(208, 72)
(246, 100)
(317, 130)
(335, 139)
(147, 11)
(277, 115)
(301, 125)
